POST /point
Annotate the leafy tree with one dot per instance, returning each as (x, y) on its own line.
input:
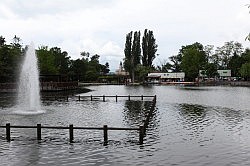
(245, 71)
(16, 42)
(105, 68)
(46, 61)
(132, 53)
(193, 60)
(228, 50)
(149, 48)
(78, 69)
(211, 70)
(246, 56)
(2, 41)
(164, 66)
(61, 61)
(85, 55)
(245, 68)
(91, 75)
(10, 56)
(142, 72)
(235, 64)
(176, 62)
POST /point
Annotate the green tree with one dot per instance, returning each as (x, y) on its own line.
(193, 60)
(132, 53)
(226, 52)
(142, 72)
(61, 61)
(245, 68)
(46, 61)
(149, 48)
(78, 69)
(165, 66)
(93, 68)
(105, 68)
(2, 41)
(10, 58)
(245, 71)
(235, 63)
(211, 70)
(176, 62)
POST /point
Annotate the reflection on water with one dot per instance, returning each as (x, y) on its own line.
(191, 126)
(135, 112)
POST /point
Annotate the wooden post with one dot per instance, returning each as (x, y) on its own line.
(116, 98)
(128, 97)
(39, 132)
(141, 132)
(103, 98)
(105, 134)
(91, 98)
(71, 135)
(145, 125)
(79, 98)
(142, 97)
(8, 132)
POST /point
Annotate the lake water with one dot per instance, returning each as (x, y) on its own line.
(190, 126)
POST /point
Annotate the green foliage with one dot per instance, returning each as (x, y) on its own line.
(195, 57)
(165, 67)
(245, 70)
(149, 48)
(52, 61)
(2, 41)
(91, 75)
(132, 53)
(193, 60)
(46, 61)
(10, 56)
(142, 72)
(226, 52)
(128, 53)
(176, 62)
(211, 70)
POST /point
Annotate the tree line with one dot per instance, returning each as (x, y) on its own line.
(139, 52)
(52, 61)
(192, 58)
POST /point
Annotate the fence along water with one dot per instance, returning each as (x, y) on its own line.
(141, 129)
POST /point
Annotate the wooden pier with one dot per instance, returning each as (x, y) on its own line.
(104, 97)
(95, 97)
(71, 129)
(141, 129)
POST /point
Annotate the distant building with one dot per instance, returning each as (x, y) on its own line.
(122, 75)
(165, 77)
(121, 71)
(223, 74)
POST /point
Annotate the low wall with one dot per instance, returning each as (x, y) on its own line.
(240, 83)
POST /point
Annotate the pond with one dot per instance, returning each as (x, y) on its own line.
(190, 126)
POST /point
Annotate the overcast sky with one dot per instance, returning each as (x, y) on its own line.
(100, 26)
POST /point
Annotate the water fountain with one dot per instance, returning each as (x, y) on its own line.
(28, 99)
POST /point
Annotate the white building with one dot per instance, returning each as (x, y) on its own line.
(165, 77)
(223, 74)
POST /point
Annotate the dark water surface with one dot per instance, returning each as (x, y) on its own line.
(191, 126)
